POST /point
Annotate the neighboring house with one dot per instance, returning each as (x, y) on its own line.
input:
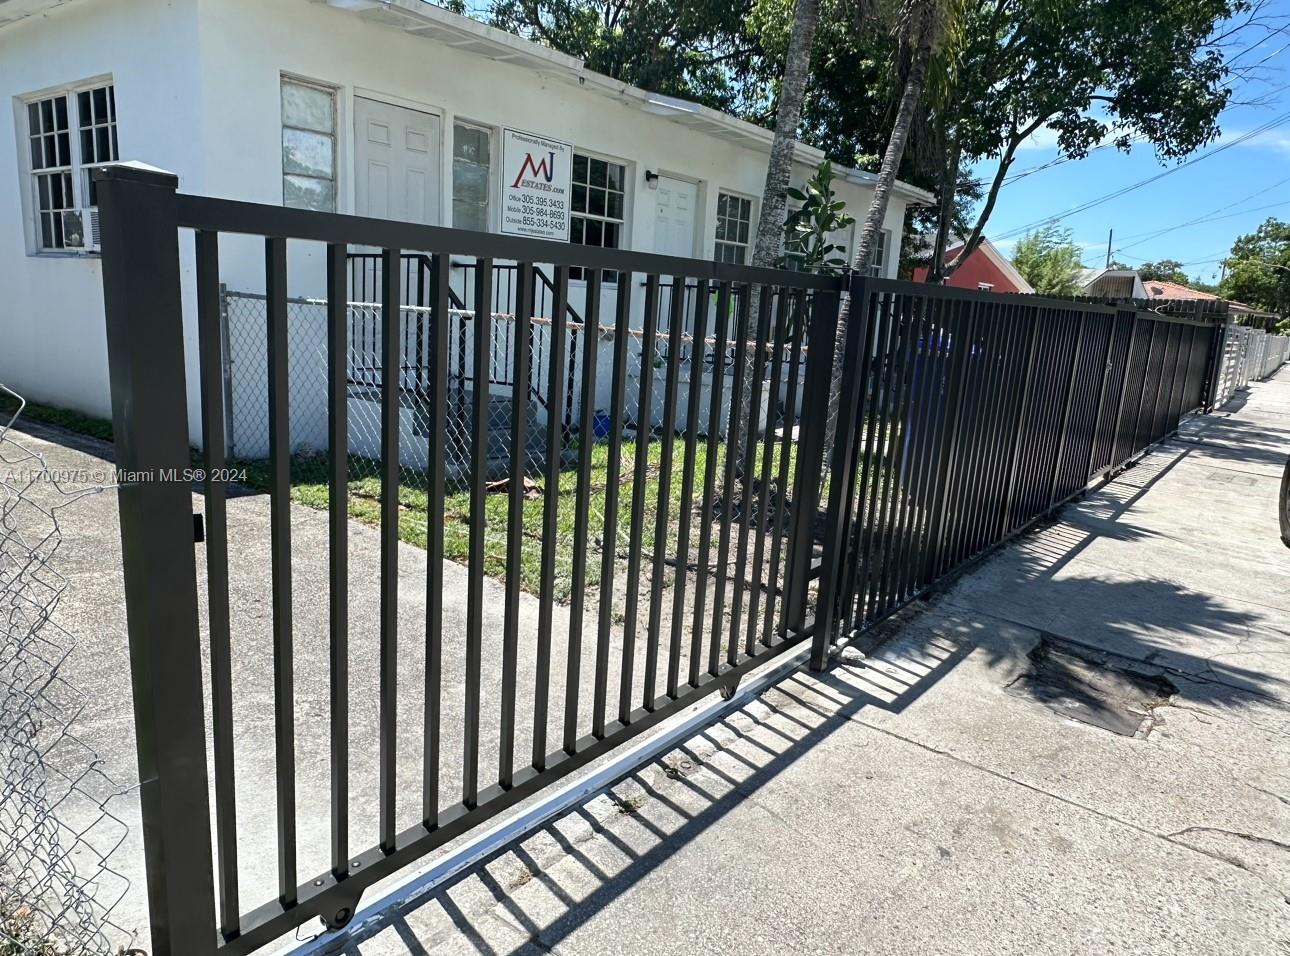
(1160, 289)
(1111, 284)
(986, 269)
(1239, 311)
(387, 108)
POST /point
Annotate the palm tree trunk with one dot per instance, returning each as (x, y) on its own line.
(770, 222)
(788, 113)
(914, 84)
(895, 152)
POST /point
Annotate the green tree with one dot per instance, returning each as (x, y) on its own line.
(1258, 270)
(1150, 72)
(1049, 260)
(699, 51)
(1166, 270)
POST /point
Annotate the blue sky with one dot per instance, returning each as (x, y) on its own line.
(1243, 184)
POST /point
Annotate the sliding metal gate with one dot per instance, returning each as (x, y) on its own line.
(700, 525)
(963, 417)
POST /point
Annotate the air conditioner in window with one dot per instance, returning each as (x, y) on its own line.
(81, 229)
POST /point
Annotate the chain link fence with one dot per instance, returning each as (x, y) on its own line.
(58, 828)
(547, 407)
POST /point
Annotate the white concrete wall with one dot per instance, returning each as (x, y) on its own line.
(52, 337)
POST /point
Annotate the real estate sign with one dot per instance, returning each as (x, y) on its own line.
(536, 175)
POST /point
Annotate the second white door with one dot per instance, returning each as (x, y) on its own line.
(396, 159)
(674, 210)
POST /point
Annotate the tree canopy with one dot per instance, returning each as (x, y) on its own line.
(1166, 270)
(1258, 270)
(1049, 260)
(699, 51)
(1127, 74)
(1133, 72)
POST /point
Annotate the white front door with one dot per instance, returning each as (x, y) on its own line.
(396, 159)
(674, 210)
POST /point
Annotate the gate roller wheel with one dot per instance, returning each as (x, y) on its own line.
(727, 691)
(340, 918)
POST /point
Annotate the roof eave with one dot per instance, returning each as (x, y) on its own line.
(1007, 268)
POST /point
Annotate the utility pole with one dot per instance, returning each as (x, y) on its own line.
(1109, 234)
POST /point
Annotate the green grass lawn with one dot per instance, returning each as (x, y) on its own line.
(64, 418)
(309, 487)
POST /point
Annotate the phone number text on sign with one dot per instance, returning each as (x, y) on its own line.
(536, 178)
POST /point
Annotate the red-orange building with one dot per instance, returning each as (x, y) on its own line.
(985, 269)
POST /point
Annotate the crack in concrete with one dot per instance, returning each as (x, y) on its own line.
(1270, 793)
(1248, 837)
(1102, 814)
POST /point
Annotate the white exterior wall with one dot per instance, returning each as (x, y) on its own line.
(245, 52)
(198, 93)
(53, 344)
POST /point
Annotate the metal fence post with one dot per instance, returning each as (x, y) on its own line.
(226, 351)
(822, 331)
(1214, 361)
(141, 295)
(842, 468)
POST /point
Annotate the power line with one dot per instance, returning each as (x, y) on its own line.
(1116, 194)
(1225, 206)
(1136, 138)
(1204, 220)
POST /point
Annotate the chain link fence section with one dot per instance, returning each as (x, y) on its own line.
(58, 831)
(246, 385)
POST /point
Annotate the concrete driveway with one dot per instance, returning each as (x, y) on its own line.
(92, 610)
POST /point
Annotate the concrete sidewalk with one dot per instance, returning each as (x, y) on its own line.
(1082, 747)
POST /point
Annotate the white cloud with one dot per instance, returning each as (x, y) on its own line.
(1269, 139)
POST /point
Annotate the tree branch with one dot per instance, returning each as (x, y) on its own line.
(1005, 162)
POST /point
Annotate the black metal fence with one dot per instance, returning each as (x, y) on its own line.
(694, 546)
(964, 416)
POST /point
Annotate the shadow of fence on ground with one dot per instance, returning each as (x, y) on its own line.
(1127, 618)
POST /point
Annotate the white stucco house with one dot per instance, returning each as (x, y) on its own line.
(387, 108)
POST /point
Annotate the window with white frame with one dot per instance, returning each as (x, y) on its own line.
(68, 134)
(471, 162)
(598, 205)
(878, 257)
(308, 146)
(734, 226)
